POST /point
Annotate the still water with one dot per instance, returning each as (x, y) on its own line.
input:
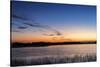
(58, 50)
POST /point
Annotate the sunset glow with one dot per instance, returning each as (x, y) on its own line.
(41, 22)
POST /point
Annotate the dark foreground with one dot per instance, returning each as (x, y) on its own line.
(52, 60)
(43, 44)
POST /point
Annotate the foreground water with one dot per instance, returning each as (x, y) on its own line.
(58, 50)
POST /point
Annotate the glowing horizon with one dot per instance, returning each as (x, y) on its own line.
(70, 38)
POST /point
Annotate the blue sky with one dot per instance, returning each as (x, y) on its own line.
(65, 18)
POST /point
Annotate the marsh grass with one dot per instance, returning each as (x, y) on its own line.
(52, 60)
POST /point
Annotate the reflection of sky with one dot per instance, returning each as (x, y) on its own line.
(62, 51)
(73, 21)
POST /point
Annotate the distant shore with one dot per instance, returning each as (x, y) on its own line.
(43, 44)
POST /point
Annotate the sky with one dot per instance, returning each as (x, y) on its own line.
(52, 22)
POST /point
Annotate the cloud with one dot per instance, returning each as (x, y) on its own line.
(58, 33)
(14, 24)
(34, 25)
(37, 25)
(45, 27)
(20, 27)
(61, 38)
(20, 17)
(48, 34)
(54, 38)
(15, 31)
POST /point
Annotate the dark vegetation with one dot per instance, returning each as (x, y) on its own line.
(52, 60)
(42, 44)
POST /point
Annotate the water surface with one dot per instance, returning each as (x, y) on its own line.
(56, 50)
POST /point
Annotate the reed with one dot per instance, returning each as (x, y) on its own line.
(52, 60)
